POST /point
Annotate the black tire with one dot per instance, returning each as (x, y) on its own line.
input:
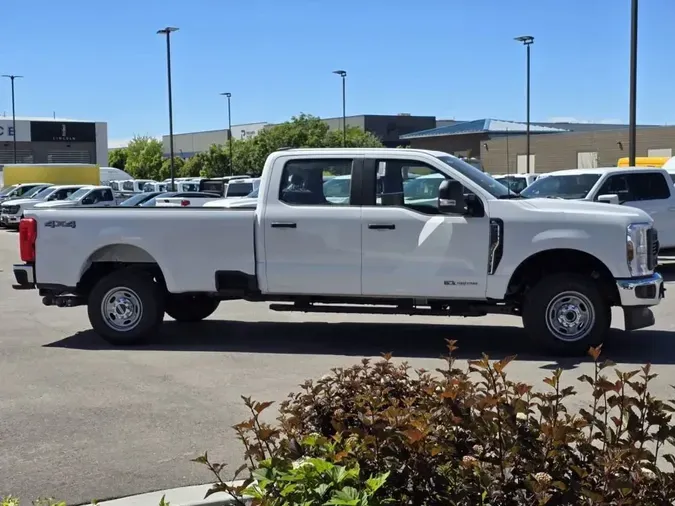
(190, 308)
(578, 298)
(143, 293)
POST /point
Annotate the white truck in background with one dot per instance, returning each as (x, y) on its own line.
(475, 249)
(646, 188)
(235, 189)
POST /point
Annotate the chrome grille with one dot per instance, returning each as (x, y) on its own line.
(652, 248)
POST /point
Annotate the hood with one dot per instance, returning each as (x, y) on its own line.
(584, 207)
(56, 203)
(18, 202)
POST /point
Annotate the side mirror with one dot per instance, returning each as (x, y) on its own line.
(87, 201)
(451, 197)
(609, 199)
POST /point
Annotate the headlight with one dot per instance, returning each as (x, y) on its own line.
(637, 249)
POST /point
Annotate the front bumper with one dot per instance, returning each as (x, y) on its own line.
(636, 296)
(647, 291)
(25, 277)
(10, 219)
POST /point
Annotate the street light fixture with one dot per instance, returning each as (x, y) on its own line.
(527, 41)
(167, 31)
(12, 77)
(229, 128)
(632, 121)
(343, 75)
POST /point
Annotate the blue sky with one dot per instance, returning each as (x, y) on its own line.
(103, 61)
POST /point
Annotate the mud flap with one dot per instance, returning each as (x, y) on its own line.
(638, 317)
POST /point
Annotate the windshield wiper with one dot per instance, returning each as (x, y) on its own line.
(510, 196)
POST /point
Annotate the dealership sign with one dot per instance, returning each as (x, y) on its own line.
(62, 131)
(7, 130)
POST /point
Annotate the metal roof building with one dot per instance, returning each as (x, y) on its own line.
(483, 126)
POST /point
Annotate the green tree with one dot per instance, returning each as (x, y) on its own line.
(356, 138)
(165, 170)
(216, 162)
(193, 166)
(144, 157)
(304, 131)
(117, 158)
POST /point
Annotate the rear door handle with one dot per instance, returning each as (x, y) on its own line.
(284, 225)
(388, 226)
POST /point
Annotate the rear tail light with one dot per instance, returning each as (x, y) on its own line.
(184, 203)
(27, 238)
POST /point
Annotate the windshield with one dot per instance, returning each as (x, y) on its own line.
(337, 187)
(79, 194)
(190, 187)
(44, 193)
(253, 194)
(513, 183)
(571, 186)
(7, 190)
(239, 189)
(136, 199)
(485, 181)
(33, 191)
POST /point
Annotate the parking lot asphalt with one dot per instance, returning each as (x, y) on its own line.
(80, 420)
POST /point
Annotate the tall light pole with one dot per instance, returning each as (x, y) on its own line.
(343, 75)
(167, 31)
(632, 122)
(12, 77)
(527, 40)
(229, 128)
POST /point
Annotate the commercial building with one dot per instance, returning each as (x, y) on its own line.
(53, 140)
(388, 128)
(189, 144)
(502, 148)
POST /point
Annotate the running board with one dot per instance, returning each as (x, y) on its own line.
(477, 310)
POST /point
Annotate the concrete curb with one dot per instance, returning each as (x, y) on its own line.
(183, 496)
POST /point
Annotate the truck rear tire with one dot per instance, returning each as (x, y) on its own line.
(567, 313)
(126, 307)
(190, 308)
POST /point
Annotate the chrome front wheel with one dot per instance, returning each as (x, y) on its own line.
(570, 316)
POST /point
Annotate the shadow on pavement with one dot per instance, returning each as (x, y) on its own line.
(667, 271)
(372, 339)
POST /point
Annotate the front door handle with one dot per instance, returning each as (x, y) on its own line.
(671, 209)
(284, 225)
(388, 226)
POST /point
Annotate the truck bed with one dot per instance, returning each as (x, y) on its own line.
(190, 244)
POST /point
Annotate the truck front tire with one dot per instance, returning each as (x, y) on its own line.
(567, 313)
(126, 307)
(190, 308)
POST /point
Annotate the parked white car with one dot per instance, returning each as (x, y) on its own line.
(87, 196)
(12, 211)
(559, 264)
(646, 188)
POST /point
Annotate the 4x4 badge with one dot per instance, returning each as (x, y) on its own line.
(55, 224)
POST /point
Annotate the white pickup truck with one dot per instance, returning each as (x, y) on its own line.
(476, 249)
(646, 188)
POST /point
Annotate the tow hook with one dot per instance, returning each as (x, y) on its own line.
(63, 300)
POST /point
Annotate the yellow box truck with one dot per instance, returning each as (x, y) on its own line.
(54, 173)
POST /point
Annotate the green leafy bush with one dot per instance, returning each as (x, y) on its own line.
(460, 436)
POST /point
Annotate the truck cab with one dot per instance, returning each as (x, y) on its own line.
(464, 246)
(86, 196)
